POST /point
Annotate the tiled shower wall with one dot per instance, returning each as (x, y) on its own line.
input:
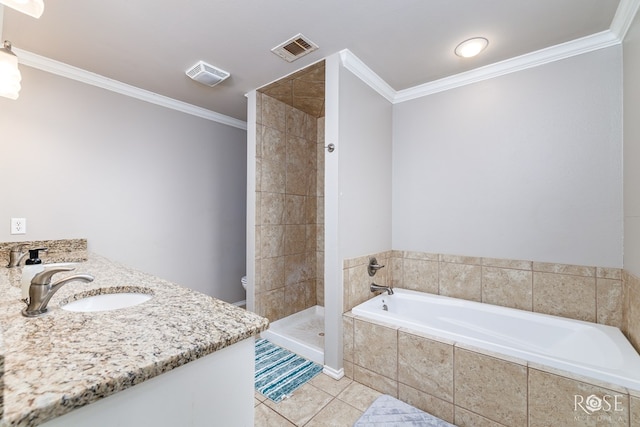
(320, 215)
(594, 294)
(286, 209)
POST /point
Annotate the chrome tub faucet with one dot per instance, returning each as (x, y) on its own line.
(376, 288)
(41, 289)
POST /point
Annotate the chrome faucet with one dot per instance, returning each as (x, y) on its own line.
(16, 256)
(376, 288)
(41, 289)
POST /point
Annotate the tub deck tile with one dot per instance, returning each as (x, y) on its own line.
(496, 355)
(577, 377)
(426, 365)
(491, 387)
(560, 401)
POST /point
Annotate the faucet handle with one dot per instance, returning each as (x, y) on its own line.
(44, 277)
(373, 266)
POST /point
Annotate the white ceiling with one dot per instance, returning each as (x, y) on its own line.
(150, 43)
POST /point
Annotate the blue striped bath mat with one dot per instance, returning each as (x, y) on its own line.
(279, 372)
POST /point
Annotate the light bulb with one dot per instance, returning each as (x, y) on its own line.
(471, 47)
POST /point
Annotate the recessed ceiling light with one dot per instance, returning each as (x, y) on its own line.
(471, 47)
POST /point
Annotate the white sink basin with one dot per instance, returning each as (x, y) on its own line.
(107, 302)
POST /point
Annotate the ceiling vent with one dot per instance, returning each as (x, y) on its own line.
(294, 48)
(207, 74)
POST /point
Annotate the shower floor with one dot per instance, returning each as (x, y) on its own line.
(301, 333)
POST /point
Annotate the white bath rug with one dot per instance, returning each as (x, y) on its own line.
(387, 411)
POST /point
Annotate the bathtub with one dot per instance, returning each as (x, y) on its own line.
(588, 349)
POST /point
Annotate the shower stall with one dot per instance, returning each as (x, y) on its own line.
(288, 283)
(303, 198)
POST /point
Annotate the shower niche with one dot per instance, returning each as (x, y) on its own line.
(288, 267)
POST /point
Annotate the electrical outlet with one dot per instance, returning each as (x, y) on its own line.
(18, 226)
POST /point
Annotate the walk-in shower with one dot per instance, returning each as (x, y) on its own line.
(289, 203)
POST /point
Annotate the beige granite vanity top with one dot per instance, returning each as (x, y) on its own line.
(64, 360)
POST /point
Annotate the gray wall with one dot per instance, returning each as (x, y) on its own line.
(364, 168)
(632, 149)
(153, 188)
(524, 166)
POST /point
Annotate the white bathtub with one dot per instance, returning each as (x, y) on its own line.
(589, 349)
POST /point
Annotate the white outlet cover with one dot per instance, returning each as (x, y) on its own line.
(18, 226)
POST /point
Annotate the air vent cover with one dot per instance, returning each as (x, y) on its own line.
(207, 74)
(294, 48)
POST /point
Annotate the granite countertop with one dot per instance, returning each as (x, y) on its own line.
(64, 360)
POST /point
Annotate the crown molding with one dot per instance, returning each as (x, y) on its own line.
(579, 46)
(620, 24)
(366, 74)
(623, 18)
(49, 65)
(512, 65)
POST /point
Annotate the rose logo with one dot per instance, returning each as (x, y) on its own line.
(593, 403)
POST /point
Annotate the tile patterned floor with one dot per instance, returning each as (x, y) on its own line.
(322, 402)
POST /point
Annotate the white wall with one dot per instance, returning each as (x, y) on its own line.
(523, 166)
(357, 214)
(632, 149)
(156, 189)
(365, 168)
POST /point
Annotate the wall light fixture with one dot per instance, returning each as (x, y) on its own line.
(9, 73)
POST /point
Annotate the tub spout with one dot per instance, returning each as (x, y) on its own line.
(376, 288)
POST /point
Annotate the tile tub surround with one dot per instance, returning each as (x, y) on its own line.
(631, 309)
(593, 294)
(468, 386)
(83, 357)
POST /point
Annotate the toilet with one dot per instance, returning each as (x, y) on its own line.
(244, 282)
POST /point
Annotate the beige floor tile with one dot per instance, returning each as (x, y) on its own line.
(425, 402)
(375, 381)
(326, 383)
(267, 417)
(336, 414)
(303, 404)
(259, 396)
(359, 396)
